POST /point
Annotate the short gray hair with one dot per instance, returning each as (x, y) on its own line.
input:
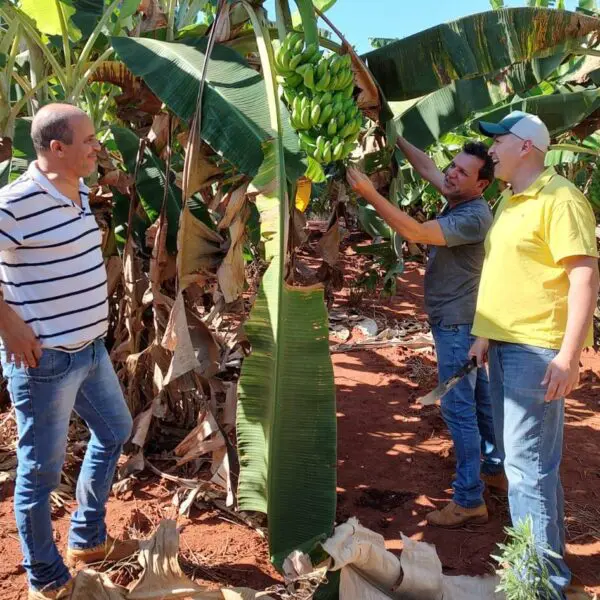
(51, 126)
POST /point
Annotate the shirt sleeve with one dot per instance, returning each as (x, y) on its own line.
(466, 226)
(10, 234)
(571, 228)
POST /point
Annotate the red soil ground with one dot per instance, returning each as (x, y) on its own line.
(395, 464)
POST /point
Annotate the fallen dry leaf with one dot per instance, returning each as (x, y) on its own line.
(199, 248)
(198, 171)
(193, 345)
(162, 577)
(177, 339)
(91, 585)
(236, 201)
(206, 427)
(329, 245)
(231, 273)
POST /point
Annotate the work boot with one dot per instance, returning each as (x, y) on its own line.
(454, 515)
(111, 549)
(62, 593)
(497, 482)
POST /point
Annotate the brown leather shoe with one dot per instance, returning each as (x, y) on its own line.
(454, 515)
(62, 593)
(497, 482)
(111, 549)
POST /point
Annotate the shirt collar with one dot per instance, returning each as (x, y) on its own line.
(38, 177)
(448, 207)
(539, 184)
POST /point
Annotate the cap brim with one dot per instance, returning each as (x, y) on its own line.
(492, 129)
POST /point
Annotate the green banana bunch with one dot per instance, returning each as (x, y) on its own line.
(319, 93)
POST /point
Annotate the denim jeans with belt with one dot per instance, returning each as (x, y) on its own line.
(44, 398)
(467, 411)
(530, 435)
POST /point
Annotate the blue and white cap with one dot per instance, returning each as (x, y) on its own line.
(524, 125)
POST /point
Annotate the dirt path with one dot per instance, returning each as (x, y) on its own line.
(395, 464)
(396, 460)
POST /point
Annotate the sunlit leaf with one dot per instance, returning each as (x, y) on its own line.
(47, 17)
(474, 46)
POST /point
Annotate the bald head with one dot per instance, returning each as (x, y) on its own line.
(65, 141)
(54, 122)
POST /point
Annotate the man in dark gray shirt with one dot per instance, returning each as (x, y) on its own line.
(451, 282)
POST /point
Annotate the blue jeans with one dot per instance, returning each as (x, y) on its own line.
(530, 435)
(44, 398)
(467, 411)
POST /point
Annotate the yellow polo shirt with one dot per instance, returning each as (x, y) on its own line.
(524, 288)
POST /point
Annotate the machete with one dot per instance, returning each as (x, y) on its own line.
(444, 387)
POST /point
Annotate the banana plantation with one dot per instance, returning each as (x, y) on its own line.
(226, 131)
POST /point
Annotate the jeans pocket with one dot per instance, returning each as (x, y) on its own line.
(52, 366)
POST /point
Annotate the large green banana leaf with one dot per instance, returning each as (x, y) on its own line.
(473, 46)
(234, 119)
(286, 422)
(560, 112)
(424, 121)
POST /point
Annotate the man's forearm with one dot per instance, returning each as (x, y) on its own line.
(421, 162)
(7, 314)
(583, 295)
(410, 229)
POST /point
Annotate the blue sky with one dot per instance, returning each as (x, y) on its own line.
(361, 19)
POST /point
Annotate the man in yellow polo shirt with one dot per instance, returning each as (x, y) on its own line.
(536, 299)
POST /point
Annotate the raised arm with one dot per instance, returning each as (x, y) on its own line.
(421, 163)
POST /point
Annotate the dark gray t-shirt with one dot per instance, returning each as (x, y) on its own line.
(453, 271)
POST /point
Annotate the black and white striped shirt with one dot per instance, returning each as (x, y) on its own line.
(51, 267)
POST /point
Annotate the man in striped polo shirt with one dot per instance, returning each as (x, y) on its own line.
(53, 318)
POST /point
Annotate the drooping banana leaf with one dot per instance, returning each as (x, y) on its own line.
(560, 112)
(425, 121)
(234, 120)
(150, 185)
(286, 422)
(473, 46)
